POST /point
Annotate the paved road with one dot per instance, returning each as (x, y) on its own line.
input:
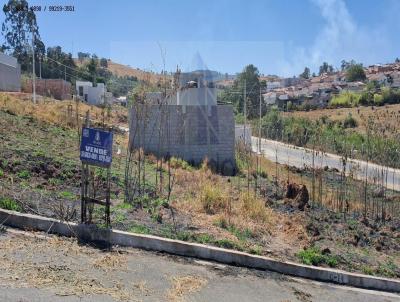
(37, 267)
(300, 157)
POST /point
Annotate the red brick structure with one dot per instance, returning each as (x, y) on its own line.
(55, 88)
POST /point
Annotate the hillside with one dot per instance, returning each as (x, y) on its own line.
(125, 70)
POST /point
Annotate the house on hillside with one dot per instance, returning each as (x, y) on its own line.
(10, 74)
(93, 95)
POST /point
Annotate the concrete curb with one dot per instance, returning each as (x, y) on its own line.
(154, 243)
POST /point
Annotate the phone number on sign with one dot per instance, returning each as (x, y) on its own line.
(53, 8)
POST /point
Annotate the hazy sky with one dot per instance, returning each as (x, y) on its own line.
(279, 37)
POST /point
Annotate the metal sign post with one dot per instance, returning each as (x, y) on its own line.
(95, 150)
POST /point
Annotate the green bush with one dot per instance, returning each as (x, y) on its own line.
(355, 72)
(1, 173)
(314, 256)
(9, 204)
(378, 99)
(345, 99)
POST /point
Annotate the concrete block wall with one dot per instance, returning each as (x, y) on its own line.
(10, 78)
(56, 88)
(192, 133)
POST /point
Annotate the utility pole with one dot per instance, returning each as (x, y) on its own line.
(259, 127)
(63, 85)
(33, 69)
(244, 113)
(40, 67)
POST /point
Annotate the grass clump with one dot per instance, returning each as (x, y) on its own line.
(24, 174)
(314, 256)
(9, 204)
(212, 198)
(388, 269)
(254, 208)
(139, 229)
(67, 195)
(180, 163)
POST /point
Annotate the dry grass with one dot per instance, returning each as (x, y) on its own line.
(56, 112)
(111, 261)
(22, 266)
(387, 116)
(212, 198)
(184, 285)
(124, 70)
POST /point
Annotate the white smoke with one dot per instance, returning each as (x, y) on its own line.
(340, 38)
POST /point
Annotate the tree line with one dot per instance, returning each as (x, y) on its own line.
(20, 30)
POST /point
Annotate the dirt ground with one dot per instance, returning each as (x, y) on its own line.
(39, 267)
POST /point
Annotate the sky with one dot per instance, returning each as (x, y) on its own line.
(278, 36)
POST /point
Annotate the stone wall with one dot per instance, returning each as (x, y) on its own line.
(192, 133)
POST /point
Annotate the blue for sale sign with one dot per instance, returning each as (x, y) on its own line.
(96, 147)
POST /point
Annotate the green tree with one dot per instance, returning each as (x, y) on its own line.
(249, 80)
(92, 68)
(306, 73)
(82, 56)
(103, 62)
(355, 72)
(325, 68)
(18, 27)
(53, 66)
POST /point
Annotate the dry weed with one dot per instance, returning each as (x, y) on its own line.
(184, 285)
(110, 261)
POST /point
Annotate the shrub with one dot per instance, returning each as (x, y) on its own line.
(1, 173)
(355, 72)
(378, 99)
(9, 204)
(314, 256)
(350, 122)
(345, 99)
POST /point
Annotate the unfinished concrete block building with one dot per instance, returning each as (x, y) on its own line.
(188, 125)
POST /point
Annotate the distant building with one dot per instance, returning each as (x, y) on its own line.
(273, 85)
(54, 88)
(10, 74)
(93, 95)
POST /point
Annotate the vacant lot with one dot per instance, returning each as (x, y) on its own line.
(40, 173)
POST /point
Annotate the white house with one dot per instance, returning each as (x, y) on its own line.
(94, 95)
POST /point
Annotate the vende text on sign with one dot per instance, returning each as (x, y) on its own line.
(96, 147)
